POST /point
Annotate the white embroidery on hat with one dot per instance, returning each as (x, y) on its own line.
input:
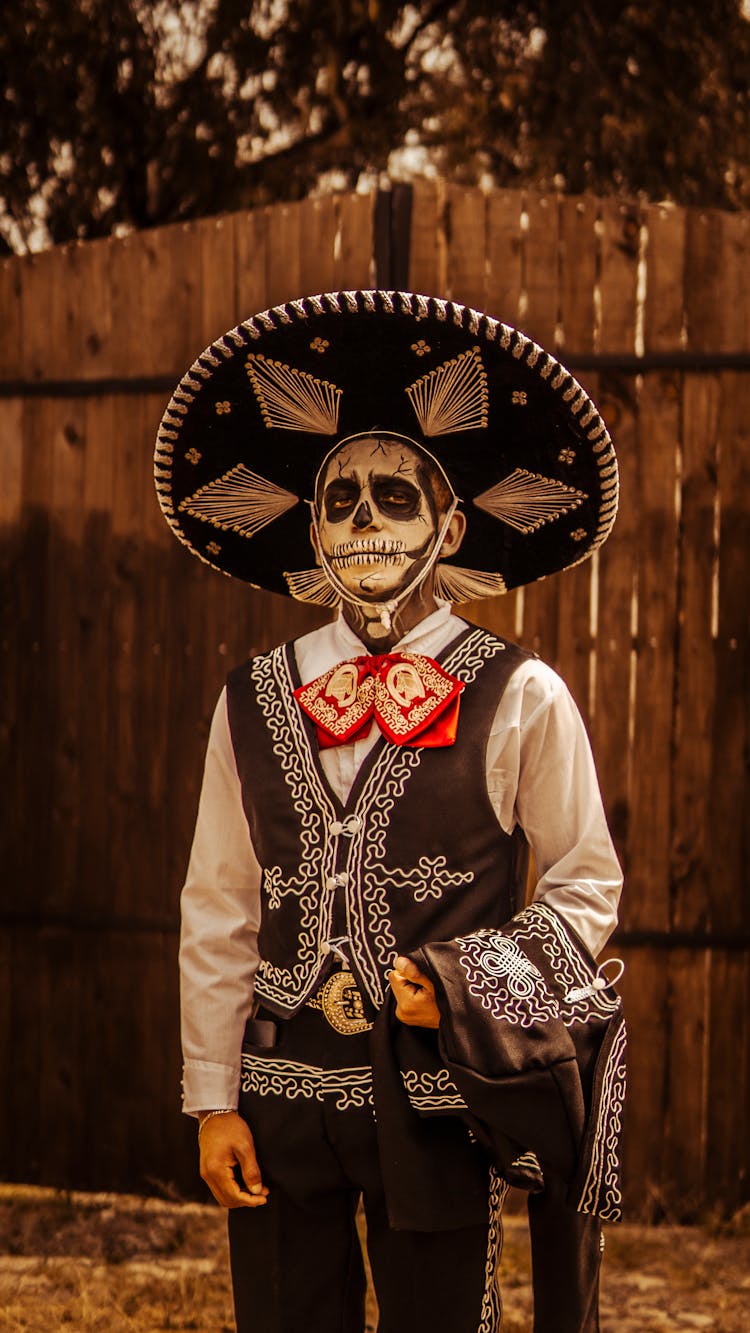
(240, 501)
(526, 501)
(293, 399)
(463, 585)
(311, 585)
(452, 397)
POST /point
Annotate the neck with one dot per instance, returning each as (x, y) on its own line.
(368, 626)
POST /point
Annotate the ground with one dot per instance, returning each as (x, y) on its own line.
(131, 1265)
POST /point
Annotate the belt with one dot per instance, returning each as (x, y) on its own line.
(341, 1004)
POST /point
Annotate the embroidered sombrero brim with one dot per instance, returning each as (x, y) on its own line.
(248, 426)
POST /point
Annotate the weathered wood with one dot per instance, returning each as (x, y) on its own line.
(540, 308)
(614, 701)
(691, 836)
(648, 844)
(727, 1078)
(116, 642)
(251, 286)
(645, 998)
(684, 1110)
(717, 281)
(504, 255)
(619, 229)
(578, 274)
(284, 240)
(319, 237)
(466, 276)
(12, 347)
(729, 778)
(664, 308)
(216, 239)
(427, 246)
(353, 250)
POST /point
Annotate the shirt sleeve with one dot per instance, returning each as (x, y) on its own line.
(541, 775)
(218, 942)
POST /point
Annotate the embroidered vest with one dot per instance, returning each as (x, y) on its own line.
(415, 855)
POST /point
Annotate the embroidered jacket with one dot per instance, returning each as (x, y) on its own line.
(534, 1039)
(416, 853)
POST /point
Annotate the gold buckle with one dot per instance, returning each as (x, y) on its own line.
(341, 1003)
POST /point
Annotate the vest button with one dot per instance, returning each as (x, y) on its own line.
(336, 828)
(339, 881)
(352, 824)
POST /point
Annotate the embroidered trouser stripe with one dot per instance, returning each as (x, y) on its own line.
(492, 1306)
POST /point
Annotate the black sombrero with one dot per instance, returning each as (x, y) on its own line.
(247, 428)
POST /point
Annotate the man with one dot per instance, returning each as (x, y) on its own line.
(373, 787)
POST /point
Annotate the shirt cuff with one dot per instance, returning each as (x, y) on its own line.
(207, 1086)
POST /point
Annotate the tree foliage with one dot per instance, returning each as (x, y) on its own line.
(130, 114)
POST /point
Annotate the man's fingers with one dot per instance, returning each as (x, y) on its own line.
(404, 967)
(415, 999)
(227, 1144)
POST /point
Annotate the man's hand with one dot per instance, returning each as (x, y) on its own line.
(415, 995)
(226, 1143)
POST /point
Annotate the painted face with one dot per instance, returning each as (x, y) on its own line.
(378, 515)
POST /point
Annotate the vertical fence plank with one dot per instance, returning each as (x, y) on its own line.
(692, 837)
(664, 309)
(12, 347)
(644, 989)
(320, 232)
(250, 263)
(684, 1125)
(648, 845)
(717, 255)
(284, 240)
(728, 1079)
(578, 274)
(541, 269)
(426, 249)
(217, 288)
(353, 256)
(613, 701)
(504, 255)
(466, 246)
(729, 778)
(64, 575)
(619, 230)
(98, 650)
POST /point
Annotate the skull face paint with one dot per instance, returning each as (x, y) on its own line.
(378, 514)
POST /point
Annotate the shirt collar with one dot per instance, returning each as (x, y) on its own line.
(351, 646)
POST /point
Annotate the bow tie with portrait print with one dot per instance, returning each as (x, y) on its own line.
(412, 699)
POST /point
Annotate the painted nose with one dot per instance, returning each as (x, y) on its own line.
(363, 516)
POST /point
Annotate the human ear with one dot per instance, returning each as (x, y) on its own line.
(454, 534)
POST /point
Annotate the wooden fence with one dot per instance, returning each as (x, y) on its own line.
(115, 643)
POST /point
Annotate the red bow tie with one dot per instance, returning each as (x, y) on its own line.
(413, 700)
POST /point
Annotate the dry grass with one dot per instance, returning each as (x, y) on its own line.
(130, 1265)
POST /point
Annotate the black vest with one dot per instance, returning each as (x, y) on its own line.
(415, 855)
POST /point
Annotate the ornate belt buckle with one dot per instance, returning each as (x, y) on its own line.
(341, 1003)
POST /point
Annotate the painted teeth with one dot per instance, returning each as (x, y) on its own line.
(367, 558)
(348, 554)
(374, 545)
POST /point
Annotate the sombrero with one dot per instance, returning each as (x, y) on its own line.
(247, 428)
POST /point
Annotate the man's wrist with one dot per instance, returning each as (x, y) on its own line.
(205, 1116)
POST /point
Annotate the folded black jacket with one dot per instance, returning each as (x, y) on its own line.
(532, 1039)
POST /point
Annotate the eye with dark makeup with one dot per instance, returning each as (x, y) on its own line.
(396, 497)
(339, 499)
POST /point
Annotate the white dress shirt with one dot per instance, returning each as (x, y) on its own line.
(540, 774)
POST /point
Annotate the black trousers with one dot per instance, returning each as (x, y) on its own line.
(296, 1262)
